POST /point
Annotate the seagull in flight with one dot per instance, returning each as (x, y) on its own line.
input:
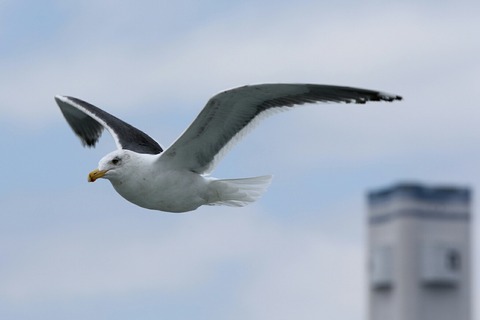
(177, 179)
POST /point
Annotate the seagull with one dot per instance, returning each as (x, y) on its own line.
(178, 179)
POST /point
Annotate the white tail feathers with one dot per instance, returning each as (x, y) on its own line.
(238, 192)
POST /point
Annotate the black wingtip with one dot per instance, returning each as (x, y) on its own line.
(389, 97)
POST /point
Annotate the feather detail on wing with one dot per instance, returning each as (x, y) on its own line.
(88, 122)
(228, 115)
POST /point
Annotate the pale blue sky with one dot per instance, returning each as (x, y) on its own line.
(73, 250)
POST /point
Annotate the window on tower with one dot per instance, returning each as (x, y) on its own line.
(452, 258)
(441, 264)
(381, 264)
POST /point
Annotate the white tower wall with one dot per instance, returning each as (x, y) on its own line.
(419, 253)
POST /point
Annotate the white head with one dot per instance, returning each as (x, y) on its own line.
(114, 166)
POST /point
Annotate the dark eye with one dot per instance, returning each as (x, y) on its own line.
(115, 160)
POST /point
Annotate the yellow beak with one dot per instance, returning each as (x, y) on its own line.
(95, 174)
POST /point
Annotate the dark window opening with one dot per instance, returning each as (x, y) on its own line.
(453, 260)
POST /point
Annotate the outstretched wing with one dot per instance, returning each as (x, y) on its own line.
(88, 122)
(229, 114)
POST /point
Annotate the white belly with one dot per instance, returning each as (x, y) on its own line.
(171, 191)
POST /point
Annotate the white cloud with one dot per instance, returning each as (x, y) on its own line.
(230, 51)
(311, 278)
(299, 269)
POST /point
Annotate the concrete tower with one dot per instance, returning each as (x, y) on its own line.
(419, 253)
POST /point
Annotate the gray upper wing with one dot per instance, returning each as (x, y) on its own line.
(226, 116)
(88, 122)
